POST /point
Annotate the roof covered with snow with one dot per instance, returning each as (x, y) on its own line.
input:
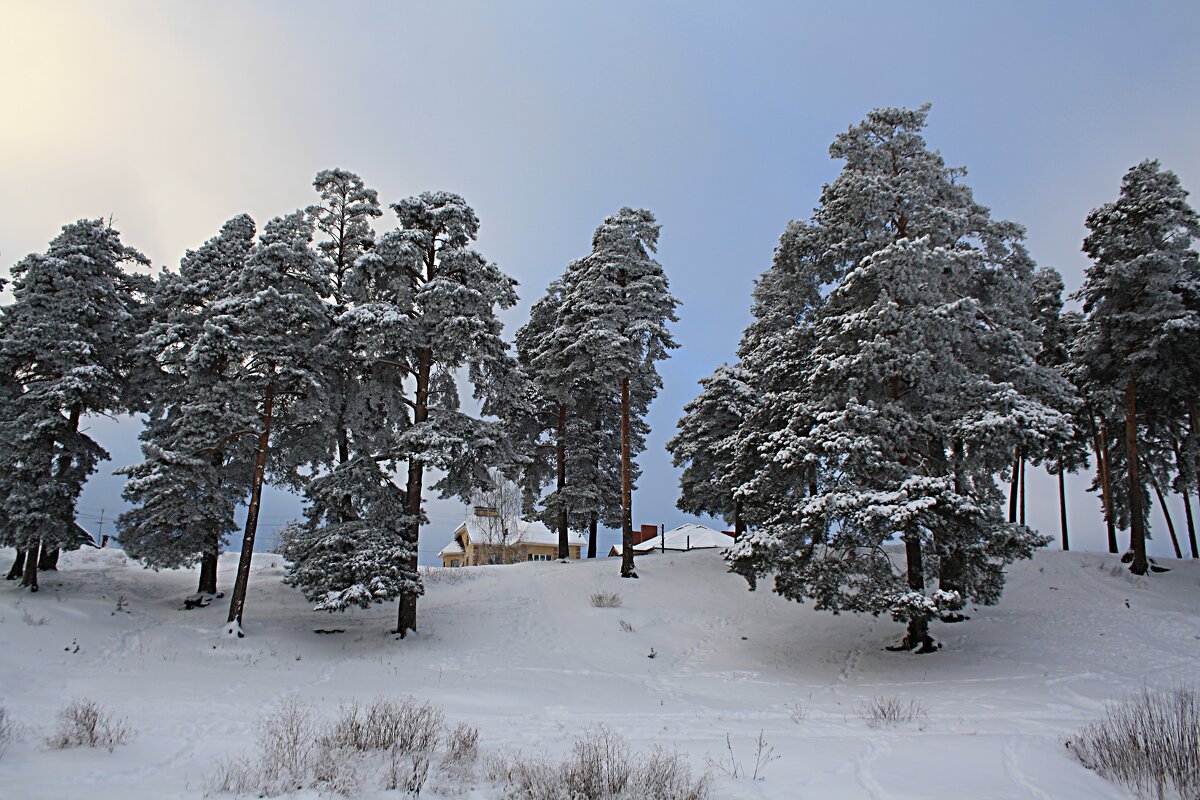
(482, 530)
(685, 537)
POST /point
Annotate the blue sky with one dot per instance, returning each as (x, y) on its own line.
(173, 117)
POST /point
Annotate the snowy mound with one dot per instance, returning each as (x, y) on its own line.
(521, 653)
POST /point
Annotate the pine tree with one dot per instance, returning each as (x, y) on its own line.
(264, 333)
(424, 307)
(340, 560)
(1138, 339)
(706, 445)
(1058, 329)
(186, 490)
(64, 353)
(614, 315)
(894, 354)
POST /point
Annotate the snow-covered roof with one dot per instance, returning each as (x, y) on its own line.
(478, 530)
(686, 537)
(452, 549)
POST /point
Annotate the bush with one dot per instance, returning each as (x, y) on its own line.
(880, 711)
(462, 745)
(1150, 743)
(403, 726)
(599, 767)
(388, 741)
(84, 723)
(606, 600)
(8, 730)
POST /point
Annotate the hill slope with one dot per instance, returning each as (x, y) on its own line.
(521, 653)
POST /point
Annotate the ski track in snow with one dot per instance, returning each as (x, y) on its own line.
(520, 653)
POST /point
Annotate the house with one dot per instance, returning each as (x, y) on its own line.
(685, 537)
(485, 537)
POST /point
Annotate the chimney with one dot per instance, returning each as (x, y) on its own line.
(646, 533)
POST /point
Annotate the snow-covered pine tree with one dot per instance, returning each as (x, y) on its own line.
(341, 559)
(706, 445)
(1139, 336)
(615, 309)
(540, 423)
(64, 353)
(424, 307)
(266, 333)
(1058, 329)
(184, 493)
(894, 355)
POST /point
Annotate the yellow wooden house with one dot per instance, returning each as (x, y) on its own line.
(484, 537)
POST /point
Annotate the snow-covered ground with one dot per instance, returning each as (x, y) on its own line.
(521, 653)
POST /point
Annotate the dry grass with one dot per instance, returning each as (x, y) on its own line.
(606, 599)
(880, 711)
(1149, 743)
(85, 723)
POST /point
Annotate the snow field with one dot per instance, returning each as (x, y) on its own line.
(521, 653)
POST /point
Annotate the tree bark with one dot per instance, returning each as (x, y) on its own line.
(406, 614)
(592, 525)
(1191, 522)
(1022, 491)
(29, 578)
(1013, 485)
(48, 560)
(208, 573)
(1137, 526)
(1162, 502)
(1100, 445)
(1062, 507)
(18, 567)
(739, 526)
(627, 569)
(560, 452)
(237, 603)
(916, 638)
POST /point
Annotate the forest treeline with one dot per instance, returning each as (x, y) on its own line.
(905, 363)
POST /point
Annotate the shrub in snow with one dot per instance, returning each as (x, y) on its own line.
(84, 723)
(8, 730)
(606, 599)
(403, 726)
(729, 766)
(879, 711)
(1149, 743)
(462, 745)
(599, 767)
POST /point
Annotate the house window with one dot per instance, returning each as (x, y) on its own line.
(454, 562)
(494, 560)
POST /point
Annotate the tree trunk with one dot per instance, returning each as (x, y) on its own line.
(916, 638)
(48, 560)
(1137, 524)
(1193, 424)
(560, 452)
(1162, 502)
(627, 570)
(237, 603)
(29, 578)
(1062, 507)
(1100, 445)
(1191, 522)
(18, 567)
(739, 526)
(406, 614)
(1022, 491)
(592, 525)
(208, 573)
(1013, 485)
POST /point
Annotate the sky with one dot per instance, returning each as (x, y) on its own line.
(171, 117)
